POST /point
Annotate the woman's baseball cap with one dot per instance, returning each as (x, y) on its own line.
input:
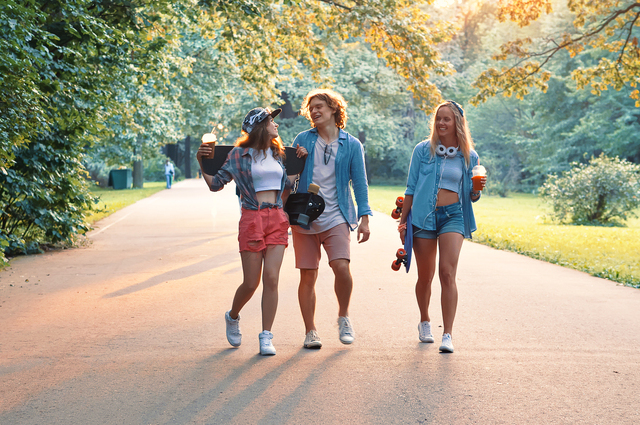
(256, 116)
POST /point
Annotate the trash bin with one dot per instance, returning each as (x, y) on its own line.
(120, 179)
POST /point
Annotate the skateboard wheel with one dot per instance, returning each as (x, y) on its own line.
(401, 253)
(399, 201)
(313, 188)
(396, 265)
(396, 213)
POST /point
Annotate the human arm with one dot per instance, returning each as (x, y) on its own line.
(301, 152)
(475, 195)
(302, 145)
(205, 150)
(414, 167)
(363, 229)
(358, 177)
(223, 176)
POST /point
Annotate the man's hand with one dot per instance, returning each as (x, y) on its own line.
(363, 229)
(301, 152)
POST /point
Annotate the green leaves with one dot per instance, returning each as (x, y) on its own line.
(605, 28)
(50, 205)
(606, 191)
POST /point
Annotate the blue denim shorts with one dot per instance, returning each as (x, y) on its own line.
(448, 220)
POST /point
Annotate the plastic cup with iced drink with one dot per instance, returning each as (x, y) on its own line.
(210, 139)
(478, 173)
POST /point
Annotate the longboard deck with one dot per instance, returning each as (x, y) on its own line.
(408, 241)
(292, 164)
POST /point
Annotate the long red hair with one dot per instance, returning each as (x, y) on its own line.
(259, 140)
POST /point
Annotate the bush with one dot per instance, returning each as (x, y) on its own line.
(44, 197)
(604, 192)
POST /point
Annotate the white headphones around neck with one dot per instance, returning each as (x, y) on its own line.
(449, 152)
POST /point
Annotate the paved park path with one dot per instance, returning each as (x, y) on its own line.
(129, 330)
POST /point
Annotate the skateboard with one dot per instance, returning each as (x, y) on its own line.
(403, 255)
(292, 164)
(303, 208)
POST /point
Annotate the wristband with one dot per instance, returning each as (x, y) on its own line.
(402, 227)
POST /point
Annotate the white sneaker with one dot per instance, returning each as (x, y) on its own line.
(347, 335)
(312, 340)
(424, 332)
(266, 347)
(447, 345)
(233, 330)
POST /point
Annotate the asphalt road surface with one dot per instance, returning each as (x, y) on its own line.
(129, 329)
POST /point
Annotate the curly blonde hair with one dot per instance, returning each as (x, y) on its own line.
(334, 101)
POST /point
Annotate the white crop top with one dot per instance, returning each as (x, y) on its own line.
(266, 172)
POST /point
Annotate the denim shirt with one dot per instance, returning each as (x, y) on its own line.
(423, 182)
(350, 171)
(238, 167)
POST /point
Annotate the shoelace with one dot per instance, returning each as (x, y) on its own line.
(425, 329)
(235, 326)
(346, 327)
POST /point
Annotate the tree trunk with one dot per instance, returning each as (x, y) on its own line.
(187, 157)
(137, 174)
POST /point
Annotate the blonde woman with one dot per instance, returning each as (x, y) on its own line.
(439, 192)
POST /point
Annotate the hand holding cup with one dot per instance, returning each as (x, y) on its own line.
(207, 148)
(479, 178)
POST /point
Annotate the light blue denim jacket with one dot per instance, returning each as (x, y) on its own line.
(423, 182)
(350, 171)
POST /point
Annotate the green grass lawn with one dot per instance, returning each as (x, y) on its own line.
(113, 200)
(518, 224)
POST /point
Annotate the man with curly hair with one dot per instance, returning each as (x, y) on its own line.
(335, 161)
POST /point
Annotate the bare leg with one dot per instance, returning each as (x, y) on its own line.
(343, 284)
(271, 273)
(450, 246)
(307, 297)
(425, 259)
(251, 270)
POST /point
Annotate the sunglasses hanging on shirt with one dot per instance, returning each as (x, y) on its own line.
(327, 154)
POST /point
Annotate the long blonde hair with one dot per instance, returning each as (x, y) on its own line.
(463, 135)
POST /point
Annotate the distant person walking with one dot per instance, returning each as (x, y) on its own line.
(169, 173)
(335, 162)
(256, 165)
(440, 193)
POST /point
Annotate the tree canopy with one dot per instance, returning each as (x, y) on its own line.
(608, 27)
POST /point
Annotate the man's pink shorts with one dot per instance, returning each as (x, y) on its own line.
(336, 242)
(259, 228)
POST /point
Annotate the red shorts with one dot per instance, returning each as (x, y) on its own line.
(259, 228)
